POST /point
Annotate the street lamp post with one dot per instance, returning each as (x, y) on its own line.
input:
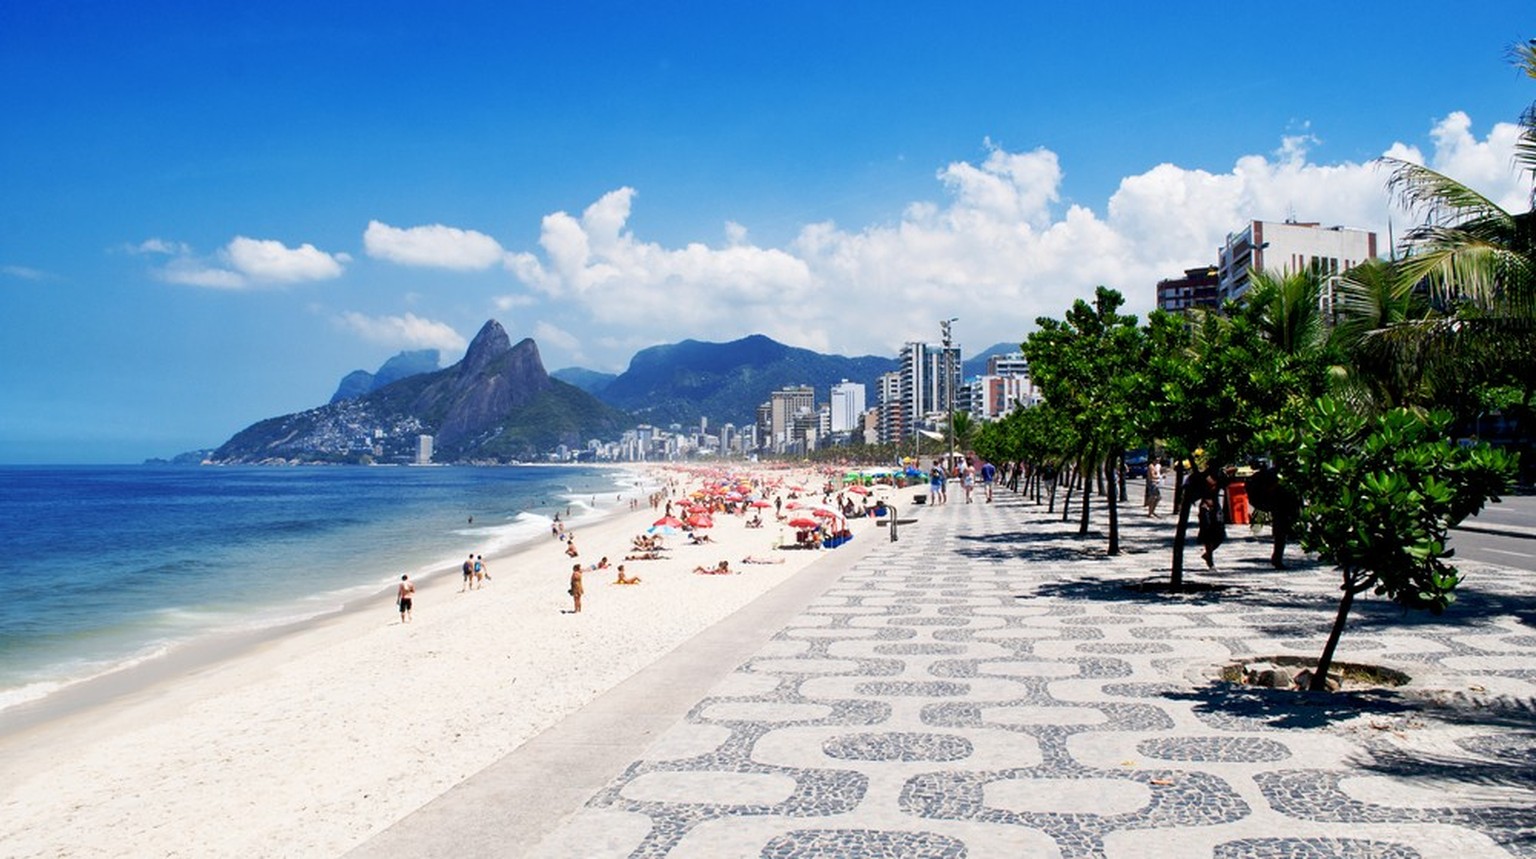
(949, 387)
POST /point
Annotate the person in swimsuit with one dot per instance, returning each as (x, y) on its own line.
(403, 597)
(576, 588)
(625, 579)
(469, 574)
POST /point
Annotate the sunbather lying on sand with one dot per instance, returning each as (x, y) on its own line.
(722, 569)
(753, 559)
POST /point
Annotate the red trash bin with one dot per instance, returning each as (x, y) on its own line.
(1237, 502)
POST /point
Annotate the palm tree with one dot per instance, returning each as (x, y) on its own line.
(1378, 374)
(1477, 264)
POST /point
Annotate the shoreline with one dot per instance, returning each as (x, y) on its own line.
(313, 736)
(154, 659)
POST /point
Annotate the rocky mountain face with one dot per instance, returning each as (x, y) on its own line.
(403, 365)
(497, 404)
(681, 382)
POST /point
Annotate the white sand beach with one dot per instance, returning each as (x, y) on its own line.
(313, 740)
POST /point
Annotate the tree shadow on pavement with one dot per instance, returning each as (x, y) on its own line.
(1030, 547)
(1494, 773)
(1256, 708)
(1125, 590)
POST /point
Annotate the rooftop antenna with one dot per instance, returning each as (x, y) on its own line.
(1290, 213)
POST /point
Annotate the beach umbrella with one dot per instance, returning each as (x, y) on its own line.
(667, 522)
(793, 505)
(700, 520)
(663, 530)
(824, 514)
(858, 490)
(803, 522)
(761, 504)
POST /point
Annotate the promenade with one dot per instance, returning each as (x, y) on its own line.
(987, 686)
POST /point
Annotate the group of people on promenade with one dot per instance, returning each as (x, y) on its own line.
(967, 471)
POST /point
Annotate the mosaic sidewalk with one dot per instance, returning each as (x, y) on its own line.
(988, 687)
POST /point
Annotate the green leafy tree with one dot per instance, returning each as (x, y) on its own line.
(1215, 380)
(1380, 494)
(1084, 366)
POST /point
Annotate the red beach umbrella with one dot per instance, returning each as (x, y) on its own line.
(824, 514)
(700, 520)
(761, 504)
(803, 523)
(667, 522)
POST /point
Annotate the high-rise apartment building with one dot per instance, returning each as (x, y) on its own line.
(847, 403)
(784, 405)
(930, 381)
(1289, 246)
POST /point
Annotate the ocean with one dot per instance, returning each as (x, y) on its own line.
(104, 567)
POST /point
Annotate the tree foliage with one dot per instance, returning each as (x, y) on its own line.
(1379, 496)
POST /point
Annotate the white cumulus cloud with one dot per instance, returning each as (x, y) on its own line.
(997, 250)
(403, 332)
(432, 246)
(243, 263)
(272, 261)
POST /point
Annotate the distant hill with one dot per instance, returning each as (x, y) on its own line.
(402, 366)
(590, 381)
(681, 382)
(497, 404)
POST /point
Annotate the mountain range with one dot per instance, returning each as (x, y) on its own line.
(681, 382)
(499, 404)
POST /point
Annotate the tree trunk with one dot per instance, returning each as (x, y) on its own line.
(1088, 475)
(1069, 481)
(1181, 530)
(1325, 662)
(1114, 508)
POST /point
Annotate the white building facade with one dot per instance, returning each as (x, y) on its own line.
(1289, 246)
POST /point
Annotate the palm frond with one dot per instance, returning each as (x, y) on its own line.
(1461, 269)
(1443, 200)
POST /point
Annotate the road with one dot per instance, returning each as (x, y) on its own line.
(1503, 533)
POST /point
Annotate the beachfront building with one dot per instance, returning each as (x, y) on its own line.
(1197, 288)
(784, 407)
(930, 382)
(869, 427)
(892, 412)
(423, 450)
(993, 397)
(1289, 246)
(847, 406)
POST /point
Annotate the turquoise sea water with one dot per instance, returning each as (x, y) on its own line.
(107, 566)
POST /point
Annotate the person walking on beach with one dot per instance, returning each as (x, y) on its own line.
(482, 575)
(469, 573)
(403, 597)
(576, 589)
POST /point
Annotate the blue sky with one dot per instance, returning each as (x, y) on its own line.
(210, 212)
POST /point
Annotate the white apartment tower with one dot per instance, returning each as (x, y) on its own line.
(1289, 246)
(847, 406)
